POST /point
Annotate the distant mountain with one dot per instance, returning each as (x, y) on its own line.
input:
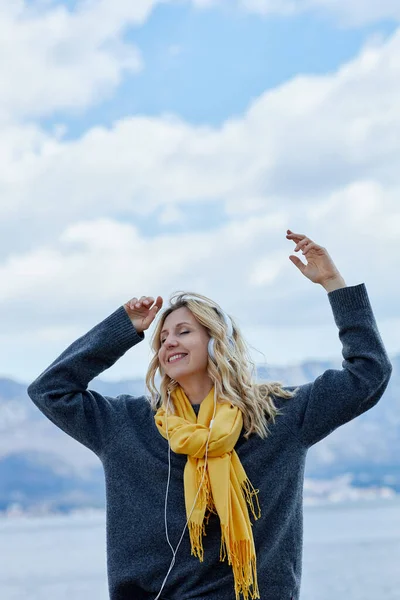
(42, 468)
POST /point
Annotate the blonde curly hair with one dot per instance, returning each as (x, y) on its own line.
(233, 372)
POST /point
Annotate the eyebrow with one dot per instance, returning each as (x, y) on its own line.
(177, 325)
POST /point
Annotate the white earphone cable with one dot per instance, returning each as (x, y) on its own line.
(166, 495)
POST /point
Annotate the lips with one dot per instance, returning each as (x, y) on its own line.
(176, 359)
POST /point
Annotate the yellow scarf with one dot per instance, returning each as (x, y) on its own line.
(225, 486)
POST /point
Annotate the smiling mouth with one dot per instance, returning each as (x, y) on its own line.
(175, 360)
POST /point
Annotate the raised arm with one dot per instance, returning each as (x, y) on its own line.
(61, 393)
(337, 396)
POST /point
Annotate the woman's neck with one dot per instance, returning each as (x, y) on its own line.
(197, 390)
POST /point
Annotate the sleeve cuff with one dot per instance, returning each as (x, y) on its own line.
(352, 297)
(122, 328)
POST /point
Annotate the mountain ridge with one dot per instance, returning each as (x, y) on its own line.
(41, 466)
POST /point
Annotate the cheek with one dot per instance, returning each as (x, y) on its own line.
(202, 353)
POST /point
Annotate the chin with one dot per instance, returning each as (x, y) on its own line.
(178, 373)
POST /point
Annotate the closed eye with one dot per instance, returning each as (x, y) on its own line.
(162, 341)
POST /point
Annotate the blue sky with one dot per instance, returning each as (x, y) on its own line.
(208, 65)
(187, 173)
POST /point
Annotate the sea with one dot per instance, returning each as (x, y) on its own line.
(351, 552)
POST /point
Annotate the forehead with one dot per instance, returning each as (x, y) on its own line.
(177, 316)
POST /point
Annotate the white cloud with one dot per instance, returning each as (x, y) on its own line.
(171, 214)
(297, 143)
(90, 253)
(59, 59)
(267, 7)
(265, 271)
(352, 13)
(349, 12)
(97, 265)
(318, 155)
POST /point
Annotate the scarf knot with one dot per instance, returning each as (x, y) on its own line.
(225, 489)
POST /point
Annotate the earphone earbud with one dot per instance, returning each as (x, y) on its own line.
(228, 324)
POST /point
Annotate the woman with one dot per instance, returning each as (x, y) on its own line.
(236, 445)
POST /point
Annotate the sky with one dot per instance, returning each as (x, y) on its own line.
(154, 146)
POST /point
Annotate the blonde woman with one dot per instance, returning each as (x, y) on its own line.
(204, 479)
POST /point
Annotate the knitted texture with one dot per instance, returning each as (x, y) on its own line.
(122, 432)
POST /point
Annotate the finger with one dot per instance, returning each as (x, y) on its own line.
(302, 243)
(297, 238)
(141, 302)
(159, 302)
(293, 235)
(148, 301)
(132, 303)
(309, 247)
(154, 310)
(156, 306)
(296, 261)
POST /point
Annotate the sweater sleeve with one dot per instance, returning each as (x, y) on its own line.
(61, 393)
(337, 396)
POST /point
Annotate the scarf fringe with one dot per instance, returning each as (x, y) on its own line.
(241, 553)
(205, 497)
(241, 556)
(196, 533)
(249, 491)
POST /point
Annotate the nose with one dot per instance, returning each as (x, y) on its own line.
(170, 343)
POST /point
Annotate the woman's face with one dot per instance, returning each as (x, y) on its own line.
(183, 335)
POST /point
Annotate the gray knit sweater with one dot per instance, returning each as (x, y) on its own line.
(122, 433)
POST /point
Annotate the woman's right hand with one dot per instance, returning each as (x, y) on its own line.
(142, 312)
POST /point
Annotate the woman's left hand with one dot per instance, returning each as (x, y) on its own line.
(320, 268)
